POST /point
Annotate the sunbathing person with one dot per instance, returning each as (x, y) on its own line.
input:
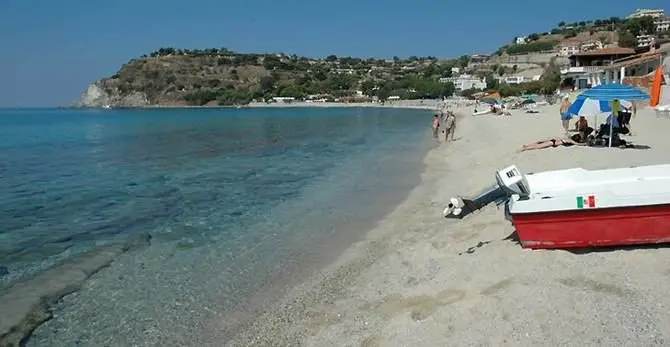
(555, 142)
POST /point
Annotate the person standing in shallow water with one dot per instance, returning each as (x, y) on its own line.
(565, 115)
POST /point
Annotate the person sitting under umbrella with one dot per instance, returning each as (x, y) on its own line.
(581, 124)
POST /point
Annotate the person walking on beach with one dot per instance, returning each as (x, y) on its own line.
(449, 126)
(436, 125)
(565, 115)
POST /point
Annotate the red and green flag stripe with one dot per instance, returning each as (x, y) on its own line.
(586, 201)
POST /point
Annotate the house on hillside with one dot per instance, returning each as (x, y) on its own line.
(644, 41)
(643, 12)
(587, 68)
(662, 24)
(591, 45)
(637, 70)
(520, 40)
(522, 77)
(568, 48)
(465, 82)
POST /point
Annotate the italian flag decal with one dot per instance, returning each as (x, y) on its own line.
(586, 201)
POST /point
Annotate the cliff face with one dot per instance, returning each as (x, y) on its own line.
(96, 96)
(171, 80)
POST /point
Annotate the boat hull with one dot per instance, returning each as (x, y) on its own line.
(617, 226)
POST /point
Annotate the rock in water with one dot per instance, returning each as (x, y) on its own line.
(25, 305)
(4, 271)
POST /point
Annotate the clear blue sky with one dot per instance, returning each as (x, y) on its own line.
(52, 49)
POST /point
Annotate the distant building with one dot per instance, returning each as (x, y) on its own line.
(513, 79)
(478, 58)
(591, 45)
(637, 70)
(520, 40)
(284, 100)
(455, 70)
(465, 82)
(643, 12)
(587, 68)
(662, 24)
(522, 77)
(568, 48)
(645, 41)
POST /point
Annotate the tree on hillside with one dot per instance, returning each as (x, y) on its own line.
(267, 82)
(491, 82)
(367, 86)
(627, 39)
(501, 70)
(331, 58)
(641, 26)
(561, 24)
(533, 37)
(463, 61)
(271, 62)
(551, 78)
(514, 68)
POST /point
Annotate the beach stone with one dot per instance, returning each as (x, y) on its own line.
(25, 304)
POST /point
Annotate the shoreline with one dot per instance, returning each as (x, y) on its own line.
(426, 104)
(343, 242)
(418, 279)
(304, 304)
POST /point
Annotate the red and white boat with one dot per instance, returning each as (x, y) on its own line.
(581, 208)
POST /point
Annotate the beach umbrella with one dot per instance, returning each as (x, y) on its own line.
(606, 93)
(591, 107)
(615, 91)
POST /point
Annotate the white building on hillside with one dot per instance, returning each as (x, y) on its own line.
(645, 41)
(522, 77)
(662, 24)
(520, 40)
(465, 82)
(643, 12)
(568, 48)
(591, 45)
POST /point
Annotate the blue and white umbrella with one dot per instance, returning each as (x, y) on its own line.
(603, 95)
(584, 106)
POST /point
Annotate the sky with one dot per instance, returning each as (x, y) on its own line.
(51, 50)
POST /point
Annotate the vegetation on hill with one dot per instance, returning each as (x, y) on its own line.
(627, 30)
(221, 76)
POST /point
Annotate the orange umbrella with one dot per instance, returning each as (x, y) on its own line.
(656, 87)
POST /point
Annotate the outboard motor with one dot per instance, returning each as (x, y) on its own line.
(509, 181)
(513, 182)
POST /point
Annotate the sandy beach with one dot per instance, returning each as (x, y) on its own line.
(421, 280)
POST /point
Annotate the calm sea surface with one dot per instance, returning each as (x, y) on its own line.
(258, 182)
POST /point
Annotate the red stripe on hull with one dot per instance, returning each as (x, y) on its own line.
(597, 227)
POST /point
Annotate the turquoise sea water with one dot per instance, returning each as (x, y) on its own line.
(258, 182)
(241, 204)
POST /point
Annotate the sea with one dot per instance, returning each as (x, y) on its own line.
(267, 187)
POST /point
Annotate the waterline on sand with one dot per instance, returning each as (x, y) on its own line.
(190, 275)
